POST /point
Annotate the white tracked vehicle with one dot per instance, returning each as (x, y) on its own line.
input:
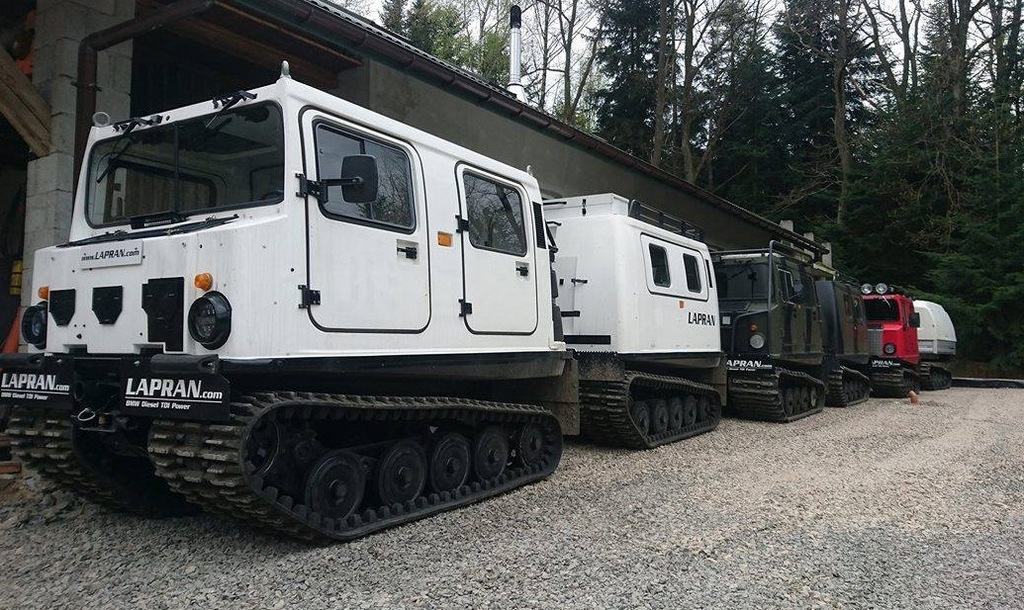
(936, 340)
(284, 307)
(638, 303)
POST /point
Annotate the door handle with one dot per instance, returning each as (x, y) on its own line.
(523, 269)
(409, 251)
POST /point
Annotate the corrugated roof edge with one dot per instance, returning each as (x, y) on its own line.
(499, 97)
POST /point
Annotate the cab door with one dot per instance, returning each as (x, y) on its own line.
(498, 259)
(368, 261)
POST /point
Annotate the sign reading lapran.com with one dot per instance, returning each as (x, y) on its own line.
(111, 254)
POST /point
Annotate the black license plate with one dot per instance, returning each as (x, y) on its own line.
(37, 380)
(176, 396)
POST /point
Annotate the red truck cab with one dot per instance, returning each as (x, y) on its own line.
(892, 329)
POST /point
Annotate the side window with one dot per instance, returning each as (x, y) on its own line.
(393, 206)
(495, 215)
(785, 285)
(659, 265)
(692, 272)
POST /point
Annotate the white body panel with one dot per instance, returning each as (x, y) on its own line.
(374, 300)
(936, 336)
(615, 297)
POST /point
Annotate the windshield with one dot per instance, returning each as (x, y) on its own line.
(881, 310)
(742, 280)
(218, 161)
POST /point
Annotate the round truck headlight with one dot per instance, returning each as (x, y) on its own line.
(757, 340)
(33, 325)
(890, 349)
(209, 320)
(882, 288)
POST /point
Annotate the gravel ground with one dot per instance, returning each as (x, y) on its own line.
(882, 505)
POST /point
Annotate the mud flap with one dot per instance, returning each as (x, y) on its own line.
(37, 380)
(153, 389)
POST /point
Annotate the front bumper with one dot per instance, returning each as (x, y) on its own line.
(158, 386)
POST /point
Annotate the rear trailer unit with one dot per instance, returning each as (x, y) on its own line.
(936, 341)
(284, 307)
(639, 307)
(845, 342)
(771, 330)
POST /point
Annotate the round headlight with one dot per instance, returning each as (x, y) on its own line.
(866, 288)
(881, 288)
(33, 325)
(209, 320)
(890, 349)
(757, 340)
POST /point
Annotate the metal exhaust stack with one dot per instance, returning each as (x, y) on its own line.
(515, 86)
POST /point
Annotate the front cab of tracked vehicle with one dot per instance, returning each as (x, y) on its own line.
(770, 310)
(892, 327)
(283, 237)
(771, 327)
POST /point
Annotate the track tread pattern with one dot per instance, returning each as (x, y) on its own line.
(46, 443)
(839, 390)
(935, 377)
(605, 405)
(759, 395)
(207, 464)
(892, 382)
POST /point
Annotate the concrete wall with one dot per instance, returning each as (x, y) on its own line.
(561, 168)
(60, 27)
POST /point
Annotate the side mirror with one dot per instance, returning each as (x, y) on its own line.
(915, 320)
(359, 178)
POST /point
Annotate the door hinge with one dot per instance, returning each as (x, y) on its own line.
(307, 187)
(309, 296)
(461, 224)
(465, 308)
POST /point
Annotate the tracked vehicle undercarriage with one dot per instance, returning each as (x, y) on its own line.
(894, 381)
(935, 376)
(847, 387)
(306, 465)
(779, 394)
(639, 410)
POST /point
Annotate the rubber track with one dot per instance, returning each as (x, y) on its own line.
(605, 405)
(837, 396)
(45, 442)
(758, 396)
(890, 382)
(927, 377)
(206, 462)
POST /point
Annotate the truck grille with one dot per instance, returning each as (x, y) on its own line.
(875, 341)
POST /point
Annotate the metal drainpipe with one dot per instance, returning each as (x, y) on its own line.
(92, 44)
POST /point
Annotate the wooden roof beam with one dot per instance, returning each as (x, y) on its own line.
(24, 107)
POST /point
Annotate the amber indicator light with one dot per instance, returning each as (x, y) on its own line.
(204, 281)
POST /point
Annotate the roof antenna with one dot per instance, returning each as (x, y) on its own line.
(515, 21)
(286, 71)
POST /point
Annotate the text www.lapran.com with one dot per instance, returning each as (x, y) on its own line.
(185, 389)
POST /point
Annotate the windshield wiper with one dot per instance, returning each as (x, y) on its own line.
(226, 102)
(145, 220)
(126, 127)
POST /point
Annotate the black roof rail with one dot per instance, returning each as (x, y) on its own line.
(774, 247)
(645, 213)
